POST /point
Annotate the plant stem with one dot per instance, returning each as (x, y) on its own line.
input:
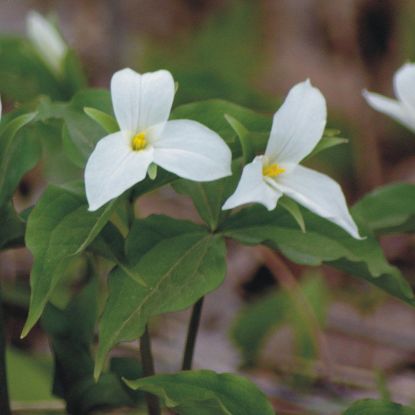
(4, 394)
(153, 404)
(192, 334)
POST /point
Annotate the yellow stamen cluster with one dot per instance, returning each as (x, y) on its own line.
(139, 142)
(272, 170)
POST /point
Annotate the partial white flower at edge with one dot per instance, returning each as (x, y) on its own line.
(142, 105)
(47, 41)
(296, 129)
(401, 109)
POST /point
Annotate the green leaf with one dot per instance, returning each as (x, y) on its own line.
(106, 121)
(209, 197)
(258, 320)
(243, 135)
(388, 209)
(12, 227)
(71, 332)
(19, 153)
(323, 242)
(23, 75)
(293, 209)
(73, 74)
(58, 228)
(204, 392)
(178, 261)
(326, 143)
(82, 132)
(373, 407)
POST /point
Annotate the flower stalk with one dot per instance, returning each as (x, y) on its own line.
(192, 334)
(153, 404)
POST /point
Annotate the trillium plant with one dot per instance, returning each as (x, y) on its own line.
(249, 175)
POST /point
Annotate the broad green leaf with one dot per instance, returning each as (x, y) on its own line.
(388, 209)
(204, 392)
(323, 242)
(71, 332)
(258, 320)
(103, 119)
(19, 152)
(58, 228)
(12, 227)
(373, 407)
(178, 261)
(23, 76)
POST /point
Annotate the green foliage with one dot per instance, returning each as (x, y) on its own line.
(373, 407)
(71, 332)
(304, 307)
(176, 262)
(107, 122)
(388, 209)
(208, 197)
(244, 138)
(73, 74)
(80, 133)
(204, 392)
(19, 152)
(12, 227)
(323, 242)
(58, 228)
(23, 75)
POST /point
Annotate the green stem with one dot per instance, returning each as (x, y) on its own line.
(153, 404)
(4, 394)
(192, 334)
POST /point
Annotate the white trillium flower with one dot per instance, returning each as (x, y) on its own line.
(142, 104)
(47, 41)
(296, 129)
(401, 109)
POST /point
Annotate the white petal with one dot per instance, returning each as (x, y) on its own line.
(193, 151)
(114, 167)
(47, 40)
(298, 125)
(140, 101)
(253, 189)
(1, 108)
(391, 107)
(319, 193)
(404, 85)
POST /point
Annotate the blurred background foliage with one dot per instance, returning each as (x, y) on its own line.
(250, 52)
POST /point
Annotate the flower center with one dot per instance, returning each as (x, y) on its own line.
(139, 142)
(272, 170)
